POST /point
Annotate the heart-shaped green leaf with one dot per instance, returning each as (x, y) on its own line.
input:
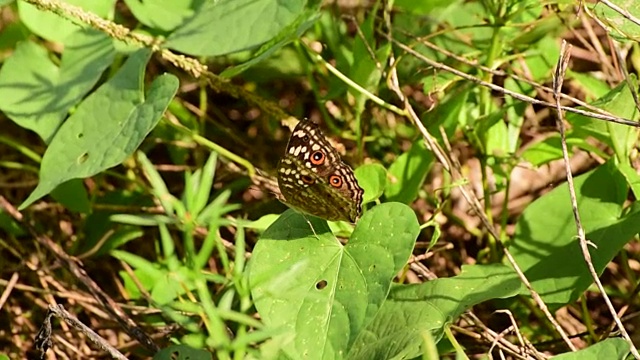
(107, 127)
(373, 179)
(227, 26)
(37, 93)
(321, 293)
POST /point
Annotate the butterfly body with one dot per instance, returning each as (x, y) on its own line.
(313, 179)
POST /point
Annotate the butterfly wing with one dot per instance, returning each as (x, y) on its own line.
(313, 179)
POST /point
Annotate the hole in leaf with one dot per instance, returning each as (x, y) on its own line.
(321, 284)
(83, 158)
(80, 135)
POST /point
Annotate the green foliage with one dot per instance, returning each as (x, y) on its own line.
(373, 179)
(110, 116)
(181, 352)
(37, 94)
(163, 15)
(308, 284)
(106, 141)
(411, 310)
(620, 138)
(545, 243)
(340, 291)
(207, 32)
(172, 276)
(613, 348)
(52, 26)
(407, 173)
(619, 25)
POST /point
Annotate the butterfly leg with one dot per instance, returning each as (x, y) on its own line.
(311, 226)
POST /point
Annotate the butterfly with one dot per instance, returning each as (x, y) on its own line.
(314, 180)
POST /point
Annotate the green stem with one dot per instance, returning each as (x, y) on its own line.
(213, 321)
(318, 59)
(486, 107)
(201, 140)
(24, 150)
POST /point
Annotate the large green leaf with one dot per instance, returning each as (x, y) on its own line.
(182, 352)
(610, 349)
(163, 14)
(107, 126)
(373, 180)
(619, 101)
(619, 24)
(37, 94)
(288, 34)
(545, 244)
(321, 293)
(226, 26)
(407, 173)
(410, 310)
(54, 27)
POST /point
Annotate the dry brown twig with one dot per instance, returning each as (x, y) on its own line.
(76, 268)
(195, 68)
(526, 345)
(602, 115)
(502, 343)
(595, 45)
(9, 288)
(449, 163)
(627, 15)
(501, 73)
(43, 338)
(493, 337)
(558, 79)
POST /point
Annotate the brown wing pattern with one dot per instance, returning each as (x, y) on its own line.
(313, 179)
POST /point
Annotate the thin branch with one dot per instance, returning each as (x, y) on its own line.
(627, 15)
(76, 268)
(315, 57)
(558, 79)
(43, 338)
(502, 73)
(515, 95)
(449, 165)
(490, 335)
(10, 286)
